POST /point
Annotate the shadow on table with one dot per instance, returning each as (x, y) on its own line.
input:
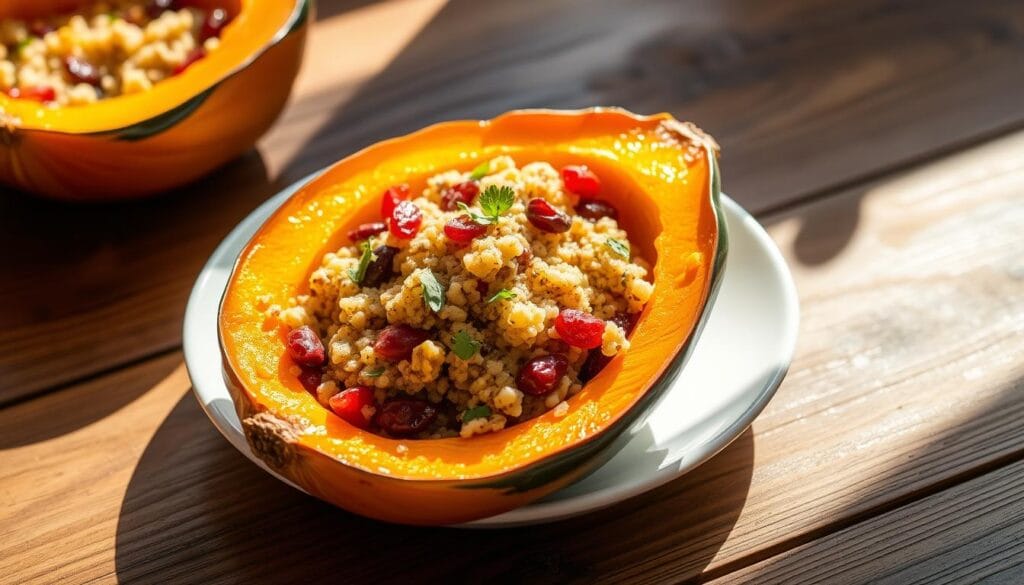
(36, 420)
(858, 544)
(82, 244)
(803, 97)
(197, 511)
(492, 68)
(746, 71)
(328, 8)
(99, 254)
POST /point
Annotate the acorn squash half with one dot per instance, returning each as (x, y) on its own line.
(661, 173)
(176, 132)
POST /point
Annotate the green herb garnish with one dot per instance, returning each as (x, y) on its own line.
(480, 171)
(374, 373)
(358, 273)
(618, 247)
(494, 201)
(464, 346)
(433, 292)
(482, 411)
(22, 44)
(497, 200)
(502, 295)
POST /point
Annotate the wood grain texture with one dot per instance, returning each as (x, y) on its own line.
(151, 493)
(970, 533)
(839, 90)
(907, 382)
(804, 96)
(906, 374)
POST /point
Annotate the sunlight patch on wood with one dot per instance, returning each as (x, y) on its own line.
(342, 54)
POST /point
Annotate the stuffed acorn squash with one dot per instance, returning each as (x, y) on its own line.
(658, 178)
(114, 132)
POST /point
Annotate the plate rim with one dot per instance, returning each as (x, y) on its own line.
(544, 512)
(536, 512)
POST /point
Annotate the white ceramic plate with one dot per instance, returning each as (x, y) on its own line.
(738, 362)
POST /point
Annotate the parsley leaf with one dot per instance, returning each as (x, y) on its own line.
(618, 247)
(359, 272)
(374, 373)
(475, 216)
(464, 346)
(480, 171)
(433, 292)
(497, 200)
(502, 295)
(493, 202)
(482, 411)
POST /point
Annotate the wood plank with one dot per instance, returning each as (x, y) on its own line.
(803, 96)
(135, 484)
(907, 370)
(106, 285)
(907, 381)
(971, 533)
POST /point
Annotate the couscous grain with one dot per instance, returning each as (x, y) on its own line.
(487, 299)
(106, 49)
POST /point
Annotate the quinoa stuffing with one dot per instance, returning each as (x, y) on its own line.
(487, 299)
(104, 49)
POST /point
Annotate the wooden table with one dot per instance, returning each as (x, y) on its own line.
(879, 141)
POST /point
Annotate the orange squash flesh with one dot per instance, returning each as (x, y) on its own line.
(660, 175)
(169, 135)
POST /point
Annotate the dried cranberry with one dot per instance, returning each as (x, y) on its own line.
(39, 93)
(461, 193)
(391, 198)
(381, 268)
(540, 375)
(356, 406)
(405, 220)
(579, 329)
(40, 28)
(396, 342)
(595, 209)
(82, 71)
(406, 416)
(545, 217)
(626, 321)
(463, 229)
(214, 24)
(365, 230)
(190, 59)
(309, 377)
(305, 347)
(595, 362)
(482, 287)
(580, 180)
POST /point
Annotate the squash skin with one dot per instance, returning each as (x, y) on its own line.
(456, 480)
(208, 127)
